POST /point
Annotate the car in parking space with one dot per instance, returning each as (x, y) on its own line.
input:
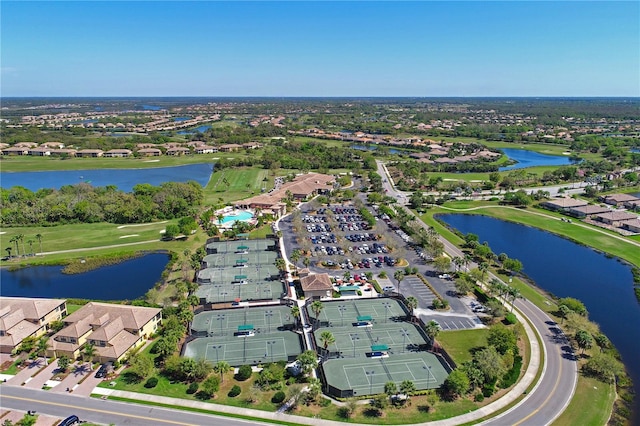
(388, 289)
(102, 371)
(69, 421)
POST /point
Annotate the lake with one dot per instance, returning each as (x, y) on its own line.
(124, 179)
(527, 158)
(125, 281)
(565, 269)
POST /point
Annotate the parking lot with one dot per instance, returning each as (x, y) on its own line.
(338, 243)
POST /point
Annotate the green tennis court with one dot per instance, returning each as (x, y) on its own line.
(240, 246)
(229, 260)
(224, 322)
(256, 349)
(357, 342)
(345, 312)
(222, 293)
(227, 274)
(351, 377)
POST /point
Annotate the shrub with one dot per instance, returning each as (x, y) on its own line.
(152, 382)
(278, 397)
(193, 388)
(488, 389)
(235, 391)
(324, 402)
(512, 375)
(479, 397)
(510, 318)
(244, 373)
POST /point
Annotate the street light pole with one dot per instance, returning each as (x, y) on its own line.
(386, 309)
(370, 377)
(404, 339)
(269, 314)
(342, 308)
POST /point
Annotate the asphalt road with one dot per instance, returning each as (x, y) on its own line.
(555, 388)
(105, 411)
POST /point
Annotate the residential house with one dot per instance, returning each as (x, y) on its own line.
(620, 199)
(113, 330)
(41, 151)
(229, 147)
(149, 152)
(615, 218)
(22, 317)
(178, 150)
(588, 210)
(205, 149)
(122, 153)
(90, 153)
(563, 204)
(16, 150)
(69, 152)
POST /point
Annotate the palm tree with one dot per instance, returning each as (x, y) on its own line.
(30, 242)
(20, 238)
(295, 313)
(39, 238)
(483, 267)
(42, 346)
(514, 294)
(457, 262)
(8, 249)
(467, 261)
(223, 368)
(398, 275)
(281, 264)
(317, 307)
(306, 261)
(88, 352)
(412, 304)
(295, 256)
(14, 240)
(432, 329)
(327, 338)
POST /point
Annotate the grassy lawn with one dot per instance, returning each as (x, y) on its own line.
(242, 183)
(596, 395)
(72, 308)
(459, 343)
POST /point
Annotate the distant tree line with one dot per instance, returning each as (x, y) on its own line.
(83, 203)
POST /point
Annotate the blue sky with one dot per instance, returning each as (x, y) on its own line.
(297, 48)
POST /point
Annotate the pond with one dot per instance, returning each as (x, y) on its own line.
(128, 280)
(200, 129)
(124, 179)
(567, 269)
(374, 147)
(527, 158)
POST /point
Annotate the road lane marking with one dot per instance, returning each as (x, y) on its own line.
(75, 407)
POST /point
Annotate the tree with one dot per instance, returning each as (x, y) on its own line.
(489, 362)
(308, 361)
(457, 384)
(295, 313)
(63, 363)
(512, 265)
(584, 340)
(88, 352)
(295, 256)
(209, 387)
(42, 346)
(412, 304)
(463, 284)
(574, 304)
(141, 365)
(30, 242)
(317, 307)
(281, 264)
(8, 250)
(442, 263)
(39, 238)
(327, 338)
(602, 341)
(171, 232)
(390, 388)
(483, 268)
(222, 368)
(604, 366)
(407, 387)
(398, 275)
(165, 346)
(501, 338)
(563, 311)
(432, 328)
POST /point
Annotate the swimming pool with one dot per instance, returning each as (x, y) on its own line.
(230, 218)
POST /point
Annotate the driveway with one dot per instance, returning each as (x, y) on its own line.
(43, 376)
(32, 368)
(88, 384)
(78, 372)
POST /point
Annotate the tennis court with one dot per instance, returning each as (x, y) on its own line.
(240, 246)
(231, 260)
(224, 322)
(224, 293)
(351, 377)
(357, 342)
(341, 313)
(245, 336)
(257, 349)
(227, 275)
